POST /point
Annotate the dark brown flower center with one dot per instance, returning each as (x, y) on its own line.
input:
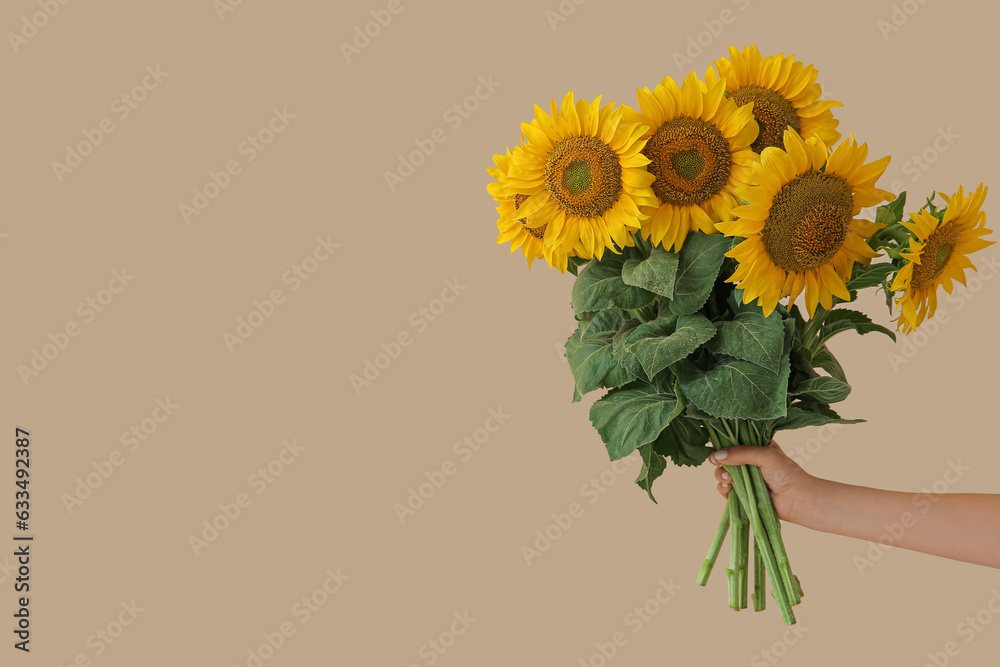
(773, 113)
(935, 256)
(808, 221)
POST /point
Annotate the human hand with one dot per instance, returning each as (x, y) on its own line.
(791, 487)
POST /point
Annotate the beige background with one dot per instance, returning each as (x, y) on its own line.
(496, 346)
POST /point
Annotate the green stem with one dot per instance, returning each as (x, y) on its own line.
(741, 477)
(759, 583)
(771, 522)
(741, 537)
(715, 547)
(811, 334)
(733, 571)
(773, 527)
(744, 491)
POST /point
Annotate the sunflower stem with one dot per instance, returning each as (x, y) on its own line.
(716, 546)
(741, 536)
(811, 335)
(733, 571)
(742, 485)
(741, 477)
(770, 517)
(759, 582)
(773, 527)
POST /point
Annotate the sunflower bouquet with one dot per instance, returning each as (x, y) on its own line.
(687, 222)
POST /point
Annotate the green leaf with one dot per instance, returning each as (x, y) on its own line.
(822, 389)
(653, 465)
(843, 319)
(632, 416)
(700, 260)
(618, 376)
(823, 358)
(792, 338)
(600, 286)
(891, 212)
(596, 286)
(752, 337)
(684, 442)
(798, 417)
(872, 275)
(655, 273)
(591, 359)
(736, 389)
(620, 348)
(602, 320)
(573, 264)
(667, 340)
(735, 303)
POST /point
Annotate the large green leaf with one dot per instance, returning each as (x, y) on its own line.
(684, 442)
(602, 320)
(798, 417)
(843, 319)
(700, 260)
(736, 389)
(620, 348)
(822, 389)
(632, 416)
(667, 340)
(655, 273)
(590, 356)
(653, 465)
(600, 286)
(752, 337)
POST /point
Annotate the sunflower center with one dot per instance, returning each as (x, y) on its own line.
(584, 176)
(537, 232)
(772, 112)
(688, 164)
(938, 245)
(808, 221)
(576, 177)
(690, 159)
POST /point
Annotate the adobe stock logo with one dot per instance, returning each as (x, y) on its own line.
(60, 340)
(31, 25)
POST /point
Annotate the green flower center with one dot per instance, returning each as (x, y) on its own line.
(688, 164)
(576, 177)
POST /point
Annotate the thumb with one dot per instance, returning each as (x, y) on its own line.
(743, 455)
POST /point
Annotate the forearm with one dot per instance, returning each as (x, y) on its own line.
(960, 526)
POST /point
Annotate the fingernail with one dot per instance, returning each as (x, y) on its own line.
(721, 455)
(725, 475)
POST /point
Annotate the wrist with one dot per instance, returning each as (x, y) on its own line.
(809, 508)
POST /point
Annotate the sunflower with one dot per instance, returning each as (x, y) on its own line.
(529, 239)
(784, 92)
(698, 144)
(799, 226)
(938, 253)
(583, 176)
